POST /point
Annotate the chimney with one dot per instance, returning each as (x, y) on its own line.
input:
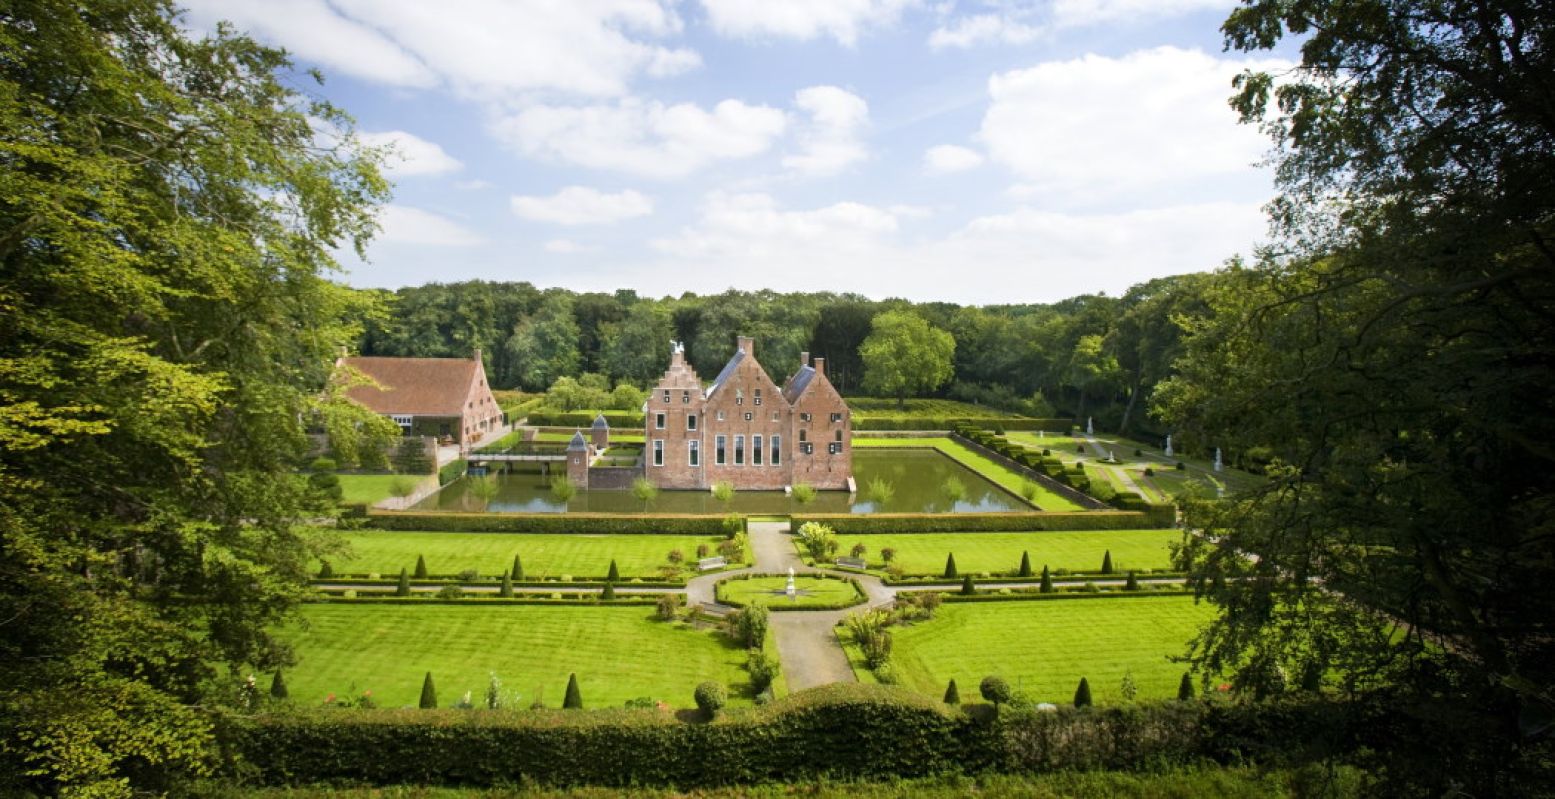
(820, 366)
(804, 359)
(746, 345)
(477, 353)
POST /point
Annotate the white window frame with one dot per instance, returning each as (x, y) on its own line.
(658, 452)
(691, 421)
(756, 443)
(694, 453)
(721, 450)
(739, 450)
(777, 451)
(403, 420)
(658, 421)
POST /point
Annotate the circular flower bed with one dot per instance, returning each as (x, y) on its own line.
(812, 592)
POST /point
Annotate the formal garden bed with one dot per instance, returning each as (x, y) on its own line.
(812, 592)
(1000, 555)
(540, 556)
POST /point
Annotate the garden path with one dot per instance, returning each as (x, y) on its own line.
(1122, 474)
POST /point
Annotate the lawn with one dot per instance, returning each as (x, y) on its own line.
(491, 554)
(886, 407)
(615, 437)
(370, 488)
(824, 591)
(1007, 479)
(997, 553)
(617, 653)
(1043, 648)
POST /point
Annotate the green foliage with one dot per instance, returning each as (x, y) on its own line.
(483, 488)
(859, 523)
(1132, 582)
(879, 490)
(668, 607)
(403, 587)
(874, 640)
(723, 490)
(428, 693)
(562, 488)
(614, 574)
(278, 687)
(618, 420)
(451, 591)
(905, 355)
(762, 668)
(818, 540)
(402, 487)
(996, 690)
(517, 570)
(326, 571)
(804, 493)
(451, 471)
(166, 330)
(595, 523)
(608, 592)
(1185, 690)
(644, 490)
(952, 696)
(1082, 694)
(411, 457)
(506, 590)
(1025, 565)
(968, 588)
(887, 554)
(421, 568)
(1047, 580)
(733, 525)
(748, 626)
(710, 698)
(1106, 563)
(493, 692)
(574, 698)
(950, 567)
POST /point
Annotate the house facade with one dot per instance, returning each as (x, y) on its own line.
(745, 429)
(447, 398)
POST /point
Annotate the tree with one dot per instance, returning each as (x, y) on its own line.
(506, 591)
(818, 540)
(428, 693)
(1025, 565)
(950, 566)
(1185, 690)
(1384, 351)
(545, 345)
(167, 218)
(710, 698)
(518, 567)
(968, 588)
(421, 567)
(1082, 694)
(609, 592)
(614, 575)
(403, 587)
(1106, 562)
(748, 626)
(574, 698)
(278, 687)
(638, 348)
(952, 696)
(996, 690)
(1047, 581)
(1131, 583)
(904, 355)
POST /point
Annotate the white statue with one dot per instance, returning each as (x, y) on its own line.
(677, 346)
(1090, 426)
(1168, 445)
(791, 590)
(1218, 463)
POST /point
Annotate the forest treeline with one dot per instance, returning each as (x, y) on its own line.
(1087, 355)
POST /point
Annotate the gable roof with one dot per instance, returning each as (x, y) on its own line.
(728, 371)
(414, 386)
(797, 384)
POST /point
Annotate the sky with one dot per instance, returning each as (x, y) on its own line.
(980, 152)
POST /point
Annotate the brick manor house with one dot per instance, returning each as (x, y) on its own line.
(746, 431)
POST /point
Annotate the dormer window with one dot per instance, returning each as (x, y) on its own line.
(666, 395)
(685, 398)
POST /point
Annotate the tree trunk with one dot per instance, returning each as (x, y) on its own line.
(1128, 410)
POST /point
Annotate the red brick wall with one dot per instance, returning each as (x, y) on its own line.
(822, 468)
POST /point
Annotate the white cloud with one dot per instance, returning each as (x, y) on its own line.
(830, 140)
(566, 247)
(1024, 21)
(943, 159)
(842, 20)
(580, 205)
(472, 185)
(483, 49)
(410, 155)
(643, 138)
(405, 225)
(1153, 122)
(1028, 255)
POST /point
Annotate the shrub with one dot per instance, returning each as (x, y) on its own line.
(874, 641)
(428, 693)
(1128, 688)
(469, 575)
(574, 698)
(403, 589)
(562, 488)
(804, 493)
(323, 465)
(676, 556)
(410, 457)
(879, 490)
(667, 608)
(818, 540)
(644, 490)
(968, 588)
(1149, 472)
(762, 669)
(450, 591)
(929, 601)
(996, 690)
(1106, 562)
(1023, 521)
(421, 567)
(858, 550)
(1082, 694)
(402, 486)
(733, 549)
(326, 483)
(887, 554)
(613, 575)
(733, 525)
(1028, 490)
(1182, 467)
(1139, 453)
(950, 566)
(325, 570)
(1047, 581)
(952, 696)
(1132, 583)
(710, 698)
(506, 592)
(518, 567)
(702, 550)
(748, 626)
(723, 491)
(278, 686)
(1025, 565)
(450, 472)
(1185, 690)
(608, 593)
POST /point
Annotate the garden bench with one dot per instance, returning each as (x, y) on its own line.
(852, 563)
(708, 564)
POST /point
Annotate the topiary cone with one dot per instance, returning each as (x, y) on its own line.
(421, 567)
(968, 588)
(950, 566)
(1025, 565)
(952, 696)
(428, 692)
(518, 568)
(1047, 581)
(403, 589)
(1082, 694)
(1106, 562)
(574, 699)
(613, 575)
(278, 686)
(1185, 688)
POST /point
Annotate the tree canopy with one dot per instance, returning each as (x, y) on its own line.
(904, 355)
(167, 216)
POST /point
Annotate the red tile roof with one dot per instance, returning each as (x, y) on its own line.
(414, 386)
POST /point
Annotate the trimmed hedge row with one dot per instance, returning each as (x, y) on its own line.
(598, 523)
(838, 732)
(1069, 592)
(444, 579)
(545, 417)
(1060, 579)
(432, 599)
(1070, 475)
(451, 471)
(865, 421)
(1034, 521)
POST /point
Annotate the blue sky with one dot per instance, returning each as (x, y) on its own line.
(976, 152)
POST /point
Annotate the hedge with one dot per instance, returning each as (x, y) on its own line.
(859, 596)
(451, 471)
(837, 732)
(361, 580)
(860, 523)
(597, 523)
(1068, 592)
(644, 600)
(863, 421)
(1067, 578)
(618, 420)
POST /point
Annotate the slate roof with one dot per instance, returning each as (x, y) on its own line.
(728, 371)
(414, 386)
(600, 422)
(798, 383)
(577, 444)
